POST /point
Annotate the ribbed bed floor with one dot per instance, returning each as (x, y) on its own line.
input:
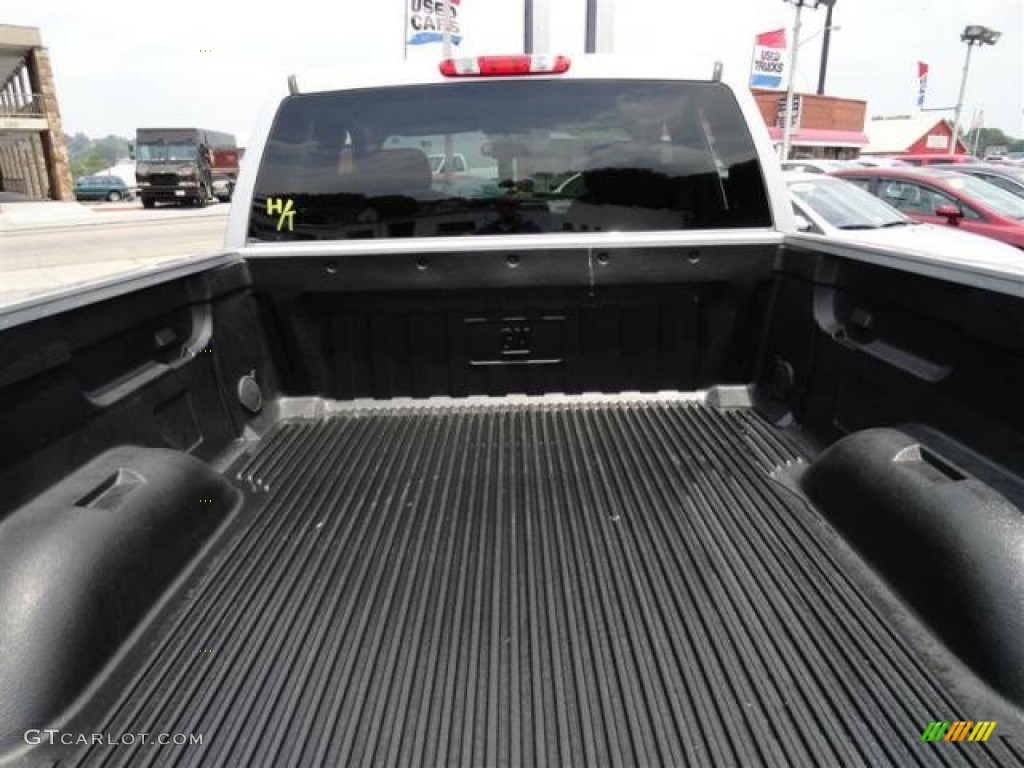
(529, 585)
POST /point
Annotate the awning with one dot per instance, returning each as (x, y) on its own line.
(821, 137)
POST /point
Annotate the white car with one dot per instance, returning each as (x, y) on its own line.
(839, 210)
(459, 164)
(814, 166)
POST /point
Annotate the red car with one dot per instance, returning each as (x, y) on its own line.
(945, 197)
(933, 159)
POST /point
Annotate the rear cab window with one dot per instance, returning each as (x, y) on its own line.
(526, 157)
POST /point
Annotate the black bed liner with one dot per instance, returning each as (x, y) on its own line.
(528, 585)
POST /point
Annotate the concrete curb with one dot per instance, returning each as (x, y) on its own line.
(100, 221)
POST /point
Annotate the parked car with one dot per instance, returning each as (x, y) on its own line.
(939, 196)
(437, 165)
(110, 188)
(1005, 176)
(920, 160)
(835, 208)
(871, 161)
(811, 165)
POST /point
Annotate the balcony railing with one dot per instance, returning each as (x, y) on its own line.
(31, 108)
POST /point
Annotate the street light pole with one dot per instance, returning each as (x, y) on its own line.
(960, 100)
(787, 127)
(973, 34)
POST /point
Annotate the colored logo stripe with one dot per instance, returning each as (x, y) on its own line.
(959, 730)
(982, 731)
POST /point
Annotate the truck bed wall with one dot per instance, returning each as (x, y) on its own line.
(89, 398)
(836, 345)
(852, 346)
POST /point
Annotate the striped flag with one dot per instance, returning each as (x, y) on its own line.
(768, 69)
(922, 83)
(774, 39)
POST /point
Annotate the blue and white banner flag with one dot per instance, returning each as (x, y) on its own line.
(425, 20)
(768, 69)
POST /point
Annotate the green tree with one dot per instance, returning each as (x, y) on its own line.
(91, 155)
(113, 148)
(77, 145)
(986, 137)
(989, 137)
(88, 163)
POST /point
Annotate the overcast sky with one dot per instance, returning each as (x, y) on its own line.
(120, 64)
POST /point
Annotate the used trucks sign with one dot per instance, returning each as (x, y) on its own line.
(768, 68)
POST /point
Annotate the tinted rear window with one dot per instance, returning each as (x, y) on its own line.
(539, 156)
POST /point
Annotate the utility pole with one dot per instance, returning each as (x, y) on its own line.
(405, 36)
(528, 26)
(599, 26)
(536, 37)
(787, 117)
(590, 42)
(787, 128)
(446, 31)
(446, 43)
(826, 41)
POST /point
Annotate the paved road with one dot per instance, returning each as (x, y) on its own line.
(39, 261)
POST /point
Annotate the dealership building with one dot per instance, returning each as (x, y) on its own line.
(919, 134)
(33, 158)
(823, 126)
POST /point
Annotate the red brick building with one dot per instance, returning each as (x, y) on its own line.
(824, 126)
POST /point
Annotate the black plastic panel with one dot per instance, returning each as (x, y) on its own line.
(524, 269)
(675, 337)
(81, 564)
(950, 544)
(873, 347)
(151, 369)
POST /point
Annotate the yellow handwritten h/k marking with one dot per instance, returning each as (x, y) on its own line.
(284, 210)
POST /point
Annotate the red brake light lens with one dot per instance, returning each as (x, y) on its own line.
(505, 66)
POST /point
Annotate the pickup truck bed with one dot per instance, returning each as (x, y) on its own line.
(660, 484)
(618, 581)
